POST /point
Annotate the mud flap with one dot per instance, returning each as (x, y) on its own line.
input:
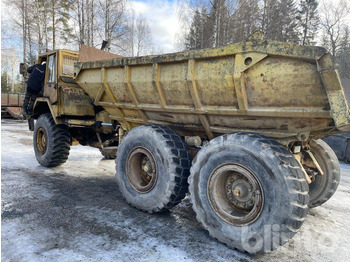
(31, 124)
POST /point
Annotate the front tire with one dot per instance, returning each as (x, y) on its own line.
(246, 189)
(51, 142)
(152, 167)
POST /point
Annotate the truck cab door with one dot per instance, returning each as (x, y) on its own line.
(50, 86)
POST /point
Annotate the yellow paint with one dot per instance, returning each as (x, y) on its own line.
(279, 89)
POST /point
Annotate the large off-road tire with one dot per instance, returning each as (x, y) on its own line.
(152, 167)
(51, 142)
(248, 191)
(324, 186)
(109, 153)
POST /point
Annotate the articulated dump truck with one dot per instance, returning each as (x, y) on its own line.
(236, 128)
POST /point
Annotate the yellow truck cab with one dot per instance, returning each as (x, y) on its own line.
(61, 96)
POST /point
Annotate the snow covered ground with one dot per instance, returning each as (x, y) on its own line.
(76, 213)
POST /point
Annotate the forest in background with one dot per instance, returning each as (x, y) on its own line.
(218, 23)
(49, 24)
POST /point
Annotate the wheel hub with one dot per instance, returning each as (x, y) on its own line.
(41, 140)
(240, 192)
(147, 170)
(141, 170)
(235, 194)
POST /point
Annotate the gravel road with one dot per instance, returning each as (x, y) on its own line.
(75, 212)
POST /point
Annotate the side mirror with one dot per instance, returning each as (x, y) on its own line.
(23, 69)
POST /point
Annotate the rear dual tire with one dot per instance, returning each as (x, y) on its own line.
(247, 190)
(268, 195)
(152, 167)
(324, 186)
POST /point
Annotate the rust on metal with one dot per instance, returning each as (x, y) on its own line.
(299, 157)
(339, 108)
(132, 93)
(11, 105)
(193, 87)
(88, 53)
(141, 170)
(74, 101)
(235, 194)
(285, 91)
(156, 84)
(315, 162)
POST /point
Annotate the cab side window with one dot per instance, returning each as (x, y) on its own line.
(51, 69)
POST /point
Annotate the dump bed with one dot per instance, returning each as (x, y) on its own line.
(278, 89)
(12, 100)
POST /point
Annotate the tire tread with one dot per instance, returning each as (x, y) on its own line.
(295, 180)
(180, 161)
(61, 141)
(333, 163)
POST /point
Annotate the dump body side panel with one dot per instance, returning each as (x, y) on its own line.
(11, 105)
(14, 100)
(267, 87)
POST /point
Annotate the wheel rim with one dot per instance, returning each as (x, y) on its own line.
(41, 140)
(141, 170)
(235, 194)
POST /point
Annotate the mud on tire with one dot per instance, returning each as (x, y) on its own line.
(324, 186)
(51, 142)
(280, 192)
(152, 167)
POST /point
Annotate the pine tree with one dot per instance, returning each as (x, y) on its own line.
(194, 37)
(207, 37)
(244, 21)
(288, 14)
(343, 56)
(278, 20)
(269, 18)
(219, 16)
(308, 19)
(201, 31)
(40, 24)
(5, 87)
(59, 12)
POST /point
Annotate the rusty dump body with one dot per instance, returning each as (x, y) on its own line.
(11, 105)
(278, 89)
